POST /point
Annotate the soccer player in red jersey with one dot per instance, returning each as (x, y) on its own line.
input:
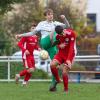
(28, 45)
(66, 43)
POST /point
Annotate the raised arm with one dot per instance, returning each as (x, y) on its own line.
(38, 28)
(65, 21)
(26, 34)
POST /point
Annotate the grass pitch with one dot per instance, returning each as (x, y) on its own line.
(39, 91)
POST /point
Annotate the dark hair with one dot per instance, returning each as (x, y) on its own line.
(48, 11)
(33, 24)
(38, 33)
(59, 29)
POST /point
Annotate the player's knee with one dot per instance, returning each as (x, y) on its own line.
(65, 70)
(53, 64)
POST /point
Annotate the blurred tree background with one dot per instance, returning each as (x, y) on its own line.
(16, 16)
(6, 5)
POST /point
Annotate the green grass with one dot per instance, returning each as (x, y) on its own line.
(39, 91)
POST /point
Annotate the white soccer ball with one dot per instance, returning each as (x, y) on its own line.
(44, 54)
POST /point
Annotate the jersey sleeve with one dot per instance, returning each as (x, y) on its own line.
(21, 44)
(71, 45)
(38, 27)
(58, 23)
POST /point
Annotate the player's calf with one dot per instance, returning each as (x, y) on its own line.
(53, 87)
(17, 77)
(30, 70)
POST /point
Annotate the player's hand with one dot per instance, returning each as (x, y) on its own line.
(17, 36)
(62, 16)
(27, 52)
(55, 43)
(62, 46)
(69, 63)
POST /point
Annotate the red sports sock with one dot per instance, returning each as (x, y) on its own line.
(23, 72)
(65, 81)
(27, 77)
(54, 71)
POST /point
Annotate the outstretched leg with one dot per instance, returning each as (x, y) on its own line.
(22, 73)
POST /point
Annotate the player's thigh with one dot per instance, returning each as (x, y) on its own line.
(57, 60)
(45, 42)
(71, 60)
(54, 36)
(52, 51)
(65, 69)
(54, 63)
(31, 69)
(30, 62)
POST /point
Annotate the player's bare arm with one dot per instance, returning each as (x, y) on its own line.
(26, 34)
(27, 52)
(65, 20)
(55, 43)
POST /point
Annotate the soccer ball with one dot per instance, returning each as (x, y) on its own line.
(44, 54)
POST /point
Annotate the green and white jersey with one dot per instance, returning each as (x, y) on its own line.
(45, 27)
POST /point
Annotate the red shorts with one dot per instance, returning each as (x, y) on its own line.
(61, 58)
(29, 62)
